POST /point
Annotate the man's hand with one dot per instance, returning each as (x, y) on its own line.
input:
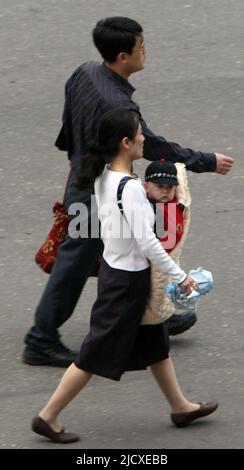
(223, 163)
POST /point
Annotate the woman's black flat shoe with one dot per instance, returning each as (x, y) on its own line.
(183, 419)
(39, 426)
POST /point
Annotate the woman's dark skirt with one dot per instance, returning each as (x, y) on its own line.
(116, 341)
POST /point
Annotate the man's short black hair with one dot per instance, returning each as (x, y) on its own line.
(114, 35)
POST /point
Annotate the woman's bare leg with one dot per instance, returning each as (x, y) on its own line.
(164, 374)
(72, 382)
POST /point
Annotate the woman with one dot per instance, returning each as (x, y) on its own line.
(116, 342)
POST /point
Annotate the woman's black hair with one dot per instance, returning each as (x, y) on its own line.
(113, 126)
(115, 34)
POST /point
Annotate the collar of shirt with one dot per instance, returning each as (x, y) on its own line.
(123, 82)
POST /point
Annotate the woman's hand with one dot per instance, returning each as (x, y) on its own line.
(188, 284)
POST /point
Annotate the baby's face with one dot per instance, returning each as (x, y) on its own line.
(160, 192)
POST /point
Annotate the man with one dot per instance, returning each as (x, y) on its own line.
(92, 90)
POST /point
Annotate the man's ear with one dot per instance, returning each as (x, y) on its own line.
(122, 58)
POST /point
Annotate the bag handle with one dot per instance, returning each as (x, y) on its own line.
(120, 189)
(66, 184)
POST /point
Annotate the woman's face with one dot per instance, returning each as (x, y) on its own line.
(136, 145)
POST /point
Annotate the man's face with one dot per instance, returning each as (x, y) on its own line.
(136, 60)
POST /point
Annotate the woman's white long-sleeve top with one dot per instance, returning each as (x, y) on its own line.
(129, 240)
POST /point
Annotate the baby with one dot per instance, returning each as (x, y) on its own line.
(167, 189)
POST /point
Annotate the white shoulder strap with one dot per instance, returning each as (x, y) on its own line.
(182, 191)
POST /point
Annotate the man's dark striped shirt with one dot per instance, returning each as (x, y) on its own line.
(94, 89)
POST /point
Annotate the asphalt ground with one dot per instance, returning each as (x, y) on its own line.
(191, 91)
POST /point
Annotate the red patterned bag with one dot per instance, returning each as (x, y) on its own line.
(46, 255)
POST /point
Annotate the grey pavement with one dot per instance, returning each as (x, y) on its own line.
(195, 63)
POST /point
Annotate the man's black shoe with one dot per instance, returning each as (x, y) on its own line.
(57, 355)
(177, 324)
